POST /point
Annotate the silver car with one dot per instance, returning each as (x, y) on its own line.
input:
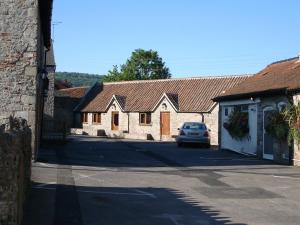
(193, 132)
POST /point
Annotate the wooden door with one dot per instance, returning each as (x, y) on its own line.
(114, 120)
(165, 123)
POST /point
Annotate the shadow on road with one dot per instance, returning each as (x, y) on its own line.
(97, 152)
(117, 206)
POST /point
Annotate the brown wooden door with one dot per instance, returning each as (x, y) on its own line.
(114, 120)
(165, 123)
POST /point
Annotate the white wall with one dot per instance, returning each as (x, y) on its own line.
(247, 145)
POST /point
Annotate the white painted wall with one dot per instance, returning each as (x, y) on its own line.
(249, 144)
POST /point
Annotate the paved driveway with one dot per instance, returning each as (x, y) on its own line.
(93, 181)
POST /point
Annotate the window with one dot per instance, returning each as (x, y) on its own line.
(145, 118)
(194, 126)
(84, 117)
(226, 111)
(97, 118)
(241, 108)
(164, 106)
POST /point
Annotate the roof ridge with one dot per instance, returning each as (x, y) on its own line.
(177, 79)
(283, 60)
(74, 88)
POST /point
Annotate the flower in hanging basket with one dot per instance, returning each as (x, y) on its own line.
(237, 124)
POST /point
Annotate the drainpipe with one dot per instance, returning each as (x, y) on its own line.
(128, 122)
(202, 115)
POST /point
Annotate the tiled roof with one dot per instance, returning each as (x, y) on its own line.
(59, 84)
(76, 92)
(174, 99)
(278, 77)
(189, 94)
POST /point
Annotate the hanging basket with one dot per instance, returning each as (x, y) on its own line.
(237, 125)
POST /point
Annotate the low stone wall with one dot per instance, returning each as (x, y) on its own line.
(15, 167)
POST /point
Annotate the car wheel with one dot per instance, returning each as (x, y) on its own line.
(179, 144)
(207, 145)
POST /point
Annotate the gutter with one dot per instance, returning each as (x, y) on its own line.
(265, 93)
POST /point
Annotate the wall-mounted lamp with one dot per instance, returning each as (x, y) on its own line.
(45, 82)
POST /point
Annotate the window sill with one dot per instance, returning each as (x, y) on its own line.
(96, 123)
(145, 125)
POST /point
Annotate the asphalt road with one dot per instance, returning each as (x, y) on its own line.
(92, 181)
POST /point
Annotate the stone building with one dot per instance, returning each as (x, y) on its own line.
(49, 94)
(65, 102)
(269, 91)
(154, 109)
(24, 39)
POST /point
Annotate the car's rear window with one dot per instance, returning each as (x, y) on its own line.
(194, 126)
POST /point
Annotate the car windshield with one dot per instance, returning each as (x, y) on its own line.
(194, 126)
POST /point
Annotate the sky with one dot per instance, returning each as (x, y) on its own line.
(193, 37)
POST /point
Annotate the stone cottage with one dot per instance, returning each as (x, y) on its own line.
(154, 109)
(270, 90)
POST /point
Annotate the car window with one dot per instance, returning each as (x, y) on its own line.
(194, 126)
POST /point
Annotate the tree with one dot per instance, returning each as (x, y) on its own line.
(142, 65)
(113, 75)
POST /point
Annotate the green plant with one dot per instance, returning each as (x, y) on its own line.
(237, 124)
(292, 116)
(142, 65)
(277, 126)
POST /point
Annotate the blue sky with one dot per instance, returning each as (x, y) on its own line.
(194, 37)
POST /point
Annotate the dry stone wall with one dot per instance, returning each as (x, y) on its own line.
(15, 167)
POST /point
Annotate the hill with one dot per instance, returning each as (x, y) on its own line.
(78, 79)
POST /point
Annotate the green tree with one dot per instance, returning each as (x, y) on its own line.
(142, 65)
(113, 75)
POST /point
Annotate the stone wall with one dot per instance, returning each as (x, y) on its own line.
(129, 126)
(49, 101)
(15, 166)
(21, 60)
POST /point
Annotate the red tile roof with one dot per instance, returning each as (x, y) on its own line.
(278, 77)
(189, 95)
(76, 92)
